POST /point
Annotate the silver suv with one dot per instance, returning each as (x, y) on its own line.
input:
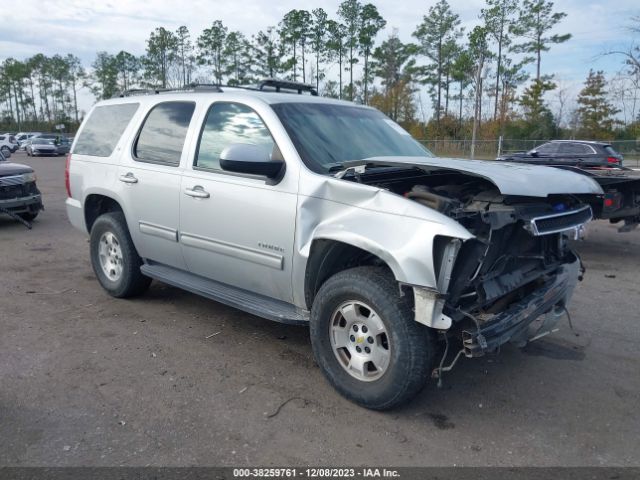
(308, 210)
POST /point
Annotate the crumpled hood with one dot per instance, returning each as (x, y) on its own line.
(8, 169)
(510, 178)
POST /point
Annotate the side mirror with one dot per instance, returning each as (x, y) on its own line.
(533, 153)
(250, 159)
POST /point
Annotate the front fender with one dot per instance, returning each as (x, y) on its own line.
(403, 241)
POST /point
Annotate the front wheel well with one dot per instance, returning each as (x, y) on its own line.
(96, 205)
(328, 257)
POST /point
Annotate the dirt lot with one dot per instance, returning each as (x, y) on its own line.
(86, 379)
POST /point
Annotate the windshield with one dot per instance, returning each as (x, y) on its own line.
(43, 141)
(328, 135)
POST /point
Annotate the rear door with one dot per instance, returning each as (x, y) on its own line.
(149, 178)
(238, 229)
(578, 154)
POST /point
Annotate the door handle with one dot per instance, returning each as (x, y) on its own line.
(196, 192)
(128, 178)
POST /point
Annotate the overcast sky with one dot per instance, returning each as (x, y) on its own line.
(83, 28)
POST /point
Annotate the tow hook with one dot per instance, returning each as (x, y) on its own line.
(16, 217)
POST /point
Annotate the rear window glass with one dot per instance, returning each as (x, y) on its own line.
(610, 151)
(163, 133)
(103, 129)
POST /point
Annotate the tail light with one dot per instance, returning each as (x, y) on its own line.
(67, 183)
(612, 201)
(613, 160)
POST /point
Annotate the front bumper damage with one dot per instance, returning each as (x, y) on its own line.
(512, 325)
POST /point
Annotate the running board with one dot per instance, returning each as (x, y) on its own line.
(244, 300)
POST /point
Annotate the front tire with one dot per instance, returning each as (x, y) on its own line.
(366, 341)
(114, 258)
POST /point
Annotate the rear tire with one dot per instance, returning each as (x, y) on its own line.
(369, 297)
(114, 258)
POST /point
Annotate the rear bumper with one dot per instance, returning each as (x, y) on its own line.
(76, 214)
(513, 323)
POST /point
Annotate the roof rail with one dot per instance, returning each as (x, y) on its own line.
(287, 85)
(155, 91)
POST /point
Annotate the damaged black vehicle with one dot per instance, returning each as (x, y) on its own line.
(19, 194)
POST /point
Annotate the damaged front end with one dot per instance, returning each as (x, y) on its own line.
(517, 268)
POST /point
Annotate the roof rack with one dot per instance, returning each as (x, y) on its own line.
(263, 85)
(287, 85)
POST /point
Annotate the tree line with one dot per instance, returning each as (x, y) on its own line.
(481, 83)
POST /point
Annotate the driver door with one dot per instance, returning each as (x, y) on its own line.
(237, 229)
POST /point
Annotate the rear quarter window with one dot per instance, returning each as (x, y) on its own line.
(103, 129)
(611, 151)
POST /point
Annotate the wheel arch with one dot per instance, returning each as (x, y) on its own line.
(328, 256)
(96, 204)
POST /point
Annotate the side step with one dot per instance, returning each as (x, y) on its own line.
(249, 302)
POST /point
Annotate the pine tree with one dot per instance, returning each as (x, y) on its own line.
(211, 49)
(440, 26)
(371, 22)
(596, 113)
(535, 20)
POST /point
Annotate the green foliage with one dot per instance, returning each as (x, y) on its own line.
(394, 63)
(162, 51)
(437, 35)
(269, 53)
(536, 18)
(537, 120)
(211, 44)
(596, 113)
(350, 12)
(105, 76)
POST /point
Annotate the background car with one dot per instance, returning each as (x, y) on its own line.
(60, 142)
(23, 137)
(8, 144)
(570, 152)
(42, 146)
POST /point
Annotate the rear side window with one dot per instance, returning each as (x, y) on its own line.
(103, 129)
(575, 149)
(163, 133)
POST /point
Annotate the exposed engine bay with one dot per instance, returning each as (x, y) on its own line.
(518, 267)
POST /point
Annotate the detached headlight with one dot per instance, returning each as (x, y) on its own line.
(29, 177)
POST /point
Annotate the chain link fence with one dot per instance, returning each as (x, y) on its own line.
(490, 149)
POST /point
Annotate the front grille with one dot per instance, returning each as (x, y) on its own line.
(559, 222)
(13, 191)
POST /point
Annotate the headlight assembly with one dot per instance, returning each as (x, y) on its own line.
(29, 177)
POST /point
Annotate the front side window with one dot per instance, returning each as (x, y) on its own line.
(163, 133)
(547, 148)
(103, 129)
(327, 135)
(227, 124)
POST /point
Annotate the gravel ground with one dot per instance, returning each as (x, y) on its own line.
(86, 379)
